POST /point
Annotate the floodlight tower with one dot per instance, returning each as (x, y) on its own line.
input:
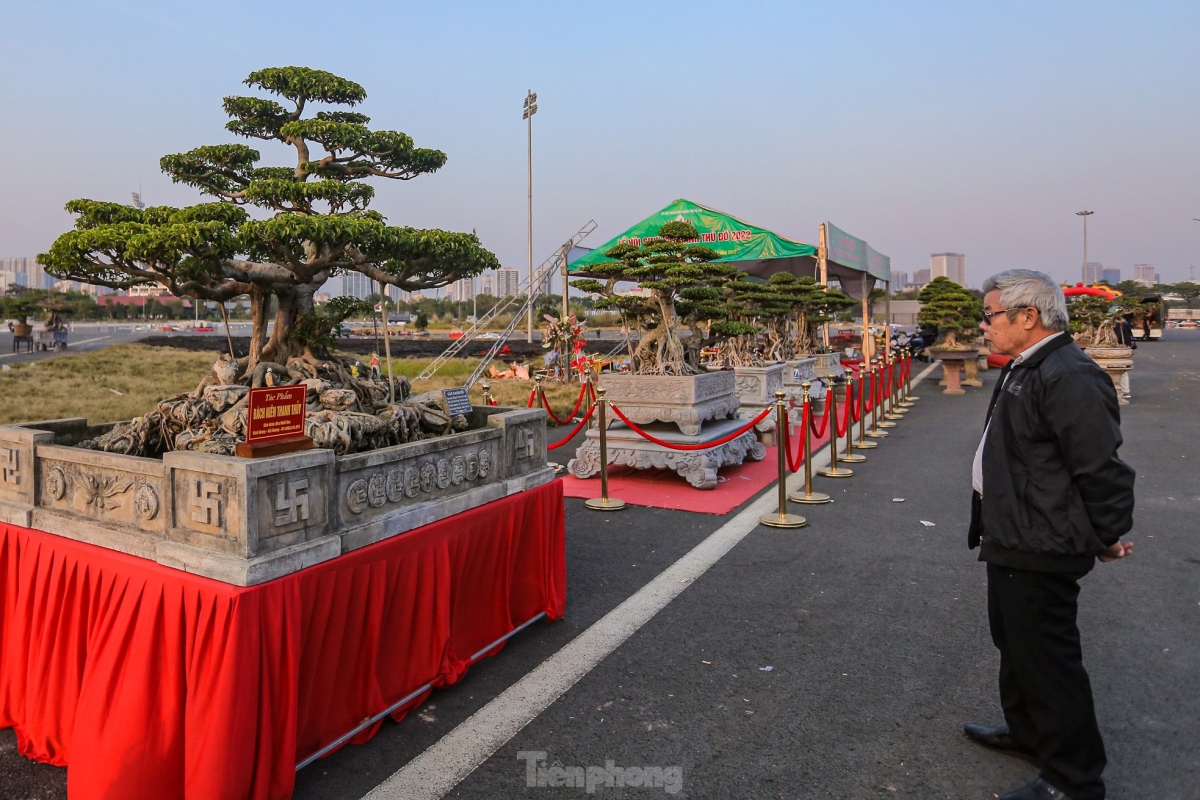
(1085, 215)
(530, 109)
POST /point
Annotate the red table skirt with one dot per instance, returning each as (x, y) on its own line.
(148, 682)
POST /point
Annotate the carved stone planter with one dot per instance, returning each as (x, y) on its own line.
(756, 387)
(798, 371)
(247, 521)
(698, 467)
(827, 363)
(952, 366)
(1116, 362)
(688, 401)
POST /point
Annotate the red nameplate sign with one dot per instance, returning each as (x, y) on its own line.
(275, 412)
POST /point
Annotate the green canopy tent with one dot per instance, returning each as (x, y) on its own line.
(754, 250)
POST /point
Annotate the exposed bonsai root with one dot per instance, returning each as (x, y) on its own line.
(347, 411)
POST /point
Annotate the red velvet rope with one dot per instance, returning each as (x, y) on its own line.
(532, 394)
(571, 435)
(857, 406)
(841, 429)
(574, 411)
(824, 418)
(749, 426)
(492, 403)
(793, 464)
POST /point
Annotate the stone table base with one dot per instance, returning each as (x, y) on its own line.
(699, 467)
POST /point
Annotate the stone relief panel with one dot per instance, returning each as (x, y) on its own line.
(418, 479)
(100, 494)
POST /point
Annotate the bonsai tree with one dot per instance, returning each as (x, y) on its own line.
(1093, 320)
(955, 311)
(685, 290)
(21, 306)
(316, 224)
(312, 223)
(812, 305)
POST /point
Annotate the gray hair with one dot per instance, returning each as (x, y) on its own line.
(1027, 288)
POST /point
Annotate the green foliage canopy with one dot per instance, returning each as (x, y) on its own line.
(317, 222)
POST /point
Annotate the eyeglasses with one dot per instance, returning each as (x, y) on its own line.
(987, 315)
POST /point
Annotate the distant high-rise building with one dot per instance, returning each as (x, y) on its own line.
(355, 284)
(508, 282)
(461, 290)
(1092, 272)
(27, 272)
(899, 280)
(949, 265)
(920, 278)
(1112, 275)
(1145, 274)
(487, 283)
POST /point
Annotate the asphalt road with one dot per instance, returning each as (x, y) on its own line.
(873, 625)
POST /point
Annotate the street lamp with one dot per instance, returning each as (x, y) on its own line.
(1085, 215)
(530, 109)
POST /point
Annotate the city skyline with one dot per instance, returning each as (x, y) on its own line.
(1021, 143)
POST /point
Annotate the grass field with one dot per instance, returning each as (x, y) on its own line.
(125, 381)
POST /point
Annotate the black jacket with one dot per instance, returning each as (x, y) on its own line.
(1055, 492)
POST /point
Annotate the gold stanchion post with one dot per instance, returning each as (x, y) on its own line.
(809, 497)
(833, 470)
(875, 433)
(890, 410)
(782, 519)
(538, 390)
(487, 392)
(906, 363)
(848, 455)
(862, 443)
(884, 419)
(908, 395)
(603, 502)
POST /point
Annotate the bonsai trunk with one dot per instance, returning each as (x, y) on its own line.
(293, 302)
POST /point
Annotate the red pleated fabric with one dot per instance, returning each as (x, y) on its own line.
(148, 682)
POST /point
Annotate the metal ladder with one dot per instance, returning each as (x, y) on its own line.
(540, 278)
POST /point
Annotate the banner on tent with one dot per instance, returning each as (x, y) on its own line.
(853, 252)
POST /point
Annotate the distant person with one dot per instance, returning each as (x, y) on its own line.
(1125, 331)
(1146, 328)
(1050, 496)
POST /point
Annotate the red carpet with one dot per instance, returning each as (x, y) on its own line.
(663, 488)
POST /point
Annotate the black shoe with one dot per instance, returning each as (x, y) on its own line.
(1038, 790)
(996, 739)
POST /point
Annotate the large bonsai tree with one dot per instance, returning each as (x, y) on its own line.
(316, 223)
(686, 289)
(955, 311)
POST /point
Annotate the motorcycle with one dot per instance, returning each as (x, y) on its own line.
(915, 345)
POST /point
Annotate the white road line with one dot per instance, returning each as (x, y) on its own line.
(456, 755)
(441, 767)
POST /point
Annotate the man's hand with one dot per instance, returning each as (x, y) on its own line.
(1115, 551)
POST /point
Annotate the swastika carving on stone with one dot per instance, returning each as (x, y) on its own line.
(206, 502)
(11, 461)
(525, 443)
(291, 501)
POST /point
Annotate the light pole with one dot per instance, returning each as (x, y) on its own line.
(530, 109)
(1085, 215)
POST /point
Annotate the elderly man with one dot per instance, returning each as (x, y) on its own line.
(1051, 496)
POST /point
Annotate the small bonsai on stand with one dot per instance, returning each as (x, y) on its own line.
(956, 313)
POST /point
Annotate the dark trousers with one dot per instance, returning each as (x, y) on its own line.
(1044, 689)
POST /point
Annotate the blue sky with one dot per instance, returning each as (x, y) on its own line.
(922, 127)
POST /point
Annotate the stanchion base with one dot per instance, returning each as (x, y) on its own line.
(887, 424)
(895, 415)
(878, 434)
(559, 469)
(866, 445)
(906, 404)
(604, 504)
(782, 520)
(851, 458)
(816, 498)
(913, 399)
(835, 472)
